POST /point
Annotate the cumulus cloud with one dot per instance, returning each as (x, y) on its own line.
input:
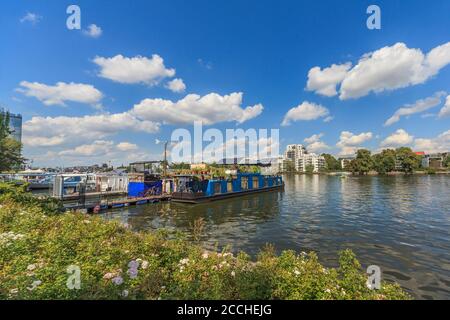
(398, 139)
(93, 31)
(305, 111)
(30, 17)
(97, 148)
(61, 92)
(324, 81)
(445, 111)
(176, 85)
(441, 143)
(211, 108)
(138, 69)
(417, 107)
(350, 142)
(53, 131)
(389, 68)
(126, 146)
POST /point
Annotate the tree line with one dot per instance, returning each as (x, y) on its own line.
(389, 160)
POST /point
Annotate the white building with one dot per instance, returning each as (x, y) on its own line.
(310, 159)
(294, 151)
(297, 156)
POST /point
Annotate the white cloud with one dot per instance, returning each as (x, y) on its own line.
(61, 92)
(441, 143)
(314, 138)
(417, 107)
(176, 85)
(328, 119)
(324, 81)
(44, 141)
(33, 18)
(350, 142)
(399, 138)
(389, 68)
(211, 108)
(127, 146)
(53, 131)
(93, 31)
(305, 111)
(445, 111)
(95, 149)
(134, 70)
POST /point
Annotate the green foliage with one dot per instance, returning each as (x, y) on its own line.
(363, 162)
(447, 162)
(408, 160)
(116, 263)
(10, 149)
(384, 162)
(290, 166)
(332, 164)
(309, 168)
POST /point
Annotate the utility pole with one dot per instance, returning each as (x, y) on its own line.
(165, 158)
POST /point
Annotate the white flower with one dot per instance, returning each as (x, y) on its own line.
(184, 261)
(296, 272)
(233, 273)
(35, 284)
(205, 255)
(328, 291)
(14, 291)
(125, 293)
(144, 264)
(31, 267)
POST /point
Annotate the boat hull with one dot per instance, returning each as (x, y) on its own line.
(193, 198)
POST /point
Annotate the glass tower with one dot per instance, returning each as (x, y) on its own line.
(15, 125)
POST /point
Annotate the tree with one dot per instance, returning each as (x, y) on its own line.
(363, 162)
(384, 162)
(10, 149)
(407, 159)
(332, 164)
(290, 166)
(447, 162)
(309, 168)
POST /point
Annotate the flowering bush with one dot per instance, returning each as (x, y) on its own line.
(37, 246)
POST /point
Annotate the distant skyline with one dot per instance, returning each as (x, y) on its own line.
(135, 72)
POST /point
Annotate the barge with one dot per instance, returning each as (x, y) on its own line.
(192, 189)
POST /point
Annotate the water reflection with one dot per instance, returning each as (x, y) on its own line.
(400, 223)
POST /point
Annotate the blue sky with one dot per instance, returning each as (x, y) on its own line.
(262, 49)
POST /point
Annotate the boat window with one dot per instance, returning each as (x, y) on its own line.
(217, 188)
(229, 186)
(255, 183)
(244, 183)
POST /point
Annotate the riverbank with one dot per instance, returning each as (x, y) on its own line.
(39, 244)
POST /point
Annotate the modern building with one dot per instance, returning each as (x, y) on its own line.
(15, 124)
(296, 156)
(310, 159)
(294, 151)
(435, 160)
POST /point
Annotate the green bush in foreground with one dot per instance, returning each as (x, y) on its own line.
(37, 245)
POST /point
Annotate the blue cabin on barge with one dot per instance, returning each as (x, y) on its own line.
(191, 189)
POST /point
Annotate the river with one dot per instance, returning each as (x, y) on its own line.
(400, 223)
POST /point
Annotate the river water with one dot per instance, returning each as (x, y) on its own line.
(401, 224)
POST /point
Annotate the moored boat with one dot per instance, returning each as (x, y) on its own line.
(192, 189)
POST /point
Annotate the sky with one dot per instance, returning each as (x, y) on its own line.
(138, 70)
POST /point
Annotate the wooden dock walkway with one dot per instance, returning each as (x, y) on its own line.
(90, 207)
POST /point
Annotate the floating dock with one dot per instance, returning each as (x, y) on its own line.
(90, 207)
